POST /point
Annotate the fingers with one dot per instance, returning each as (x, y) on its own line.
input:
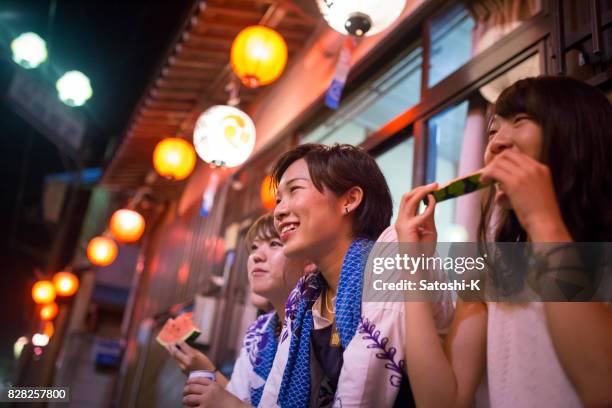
(410, 202)
(185, 348)
(178, 355)
(191, 400)
(499, 170)
(430, 209)
(194, 389)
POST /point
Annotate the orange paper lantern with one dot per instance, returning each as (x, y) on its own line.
(49, 311)
(101, 251)
(267, 193)
(174, 158)
(48, 329)
(127, 225)
(66, 283)
(258, 56)
(43, 292)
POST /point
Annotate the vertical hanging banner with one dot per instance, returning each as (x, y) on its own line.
(208, 198)
(334, 92)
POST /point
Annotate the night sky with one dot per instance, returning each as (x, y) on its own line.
(118, 45)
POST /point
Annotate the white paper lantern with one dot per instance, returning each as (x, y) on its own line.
(360, 17)
(29, 50)
(224, 136)
(74, 88)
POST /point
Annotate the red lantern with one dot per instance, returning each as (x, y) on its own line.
(102, 251)
(49, 311)
(127, 225)
(43, 292)
(66, 283)
(267, 193)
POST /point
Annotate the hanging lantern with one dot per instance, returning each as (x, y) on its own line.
(40, 339)
(19, 345)
(101, 251)
(49, 311)
(29, 50)
(267, 193)
(48, 329)
(43, 292)
(224, 136)
(258, 56)
(174, 158)
(360, 17)
(127, 225)
(66, 283)
(74, 88)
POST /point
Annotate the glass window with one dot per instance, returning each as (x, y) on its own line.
(451, 43)
(443, 153)
(396, 166)
(374, 104)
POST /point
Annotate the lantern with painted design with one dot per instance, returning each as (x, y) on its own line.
(224, 136)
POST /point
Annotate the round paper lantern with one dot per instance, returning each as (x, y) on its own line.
(267, 193)
(361, 17)
(40, 339)
(174, 158)
(258, 56)
(127, 225)
(101, 251)
(224, 136)
(74, 88)
(49, 311)
(43, 292)
(29, 50)
(66, 283)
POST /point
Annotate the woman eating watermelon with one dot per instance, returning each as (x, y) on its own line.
(272, 276)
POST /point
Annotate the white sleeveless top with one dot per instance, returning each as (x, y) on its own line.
(522, 366)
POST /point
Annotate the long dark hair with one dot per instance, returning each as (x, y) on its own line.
(576, 122)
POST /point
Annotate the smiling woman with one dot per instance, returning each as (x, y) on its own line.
(332, 203)
(549, 155)
(272, 276)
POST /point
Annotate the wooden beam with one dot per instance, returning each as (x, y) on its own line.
(165, 83)
(174, 73)
(175, 94)
(176, 106)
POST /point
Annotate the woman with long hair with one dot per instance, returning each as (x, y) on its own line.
(332, 204)
(550, 156)
(272, 276)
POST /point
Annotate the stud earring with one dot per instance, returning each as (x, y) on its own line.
(346, 210)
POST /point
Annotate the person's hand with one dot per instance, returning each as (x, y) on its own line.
(413, 227)
(529, 187)
(202, 392)
(188, 358)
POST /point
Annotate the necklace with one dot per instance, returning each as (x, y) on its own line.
(331, 312)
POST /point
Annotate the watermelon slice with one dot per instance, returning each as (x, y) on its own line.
(179, 329)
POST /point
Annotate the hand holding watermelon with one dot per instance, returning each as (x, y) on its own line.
(188, 358)
(179, 329)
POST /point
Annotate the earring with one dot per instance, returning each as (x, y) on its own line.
(346, 210)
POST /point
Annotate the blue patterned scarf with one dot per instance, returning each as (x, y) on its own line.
(295, 386)
(261, 344)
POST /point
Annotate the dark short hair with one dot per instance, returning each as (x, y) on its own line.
(263, 228)
(339, 168)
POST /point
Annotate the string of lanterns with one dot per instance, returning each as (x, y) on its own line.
(225, 135)
(30, 50)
